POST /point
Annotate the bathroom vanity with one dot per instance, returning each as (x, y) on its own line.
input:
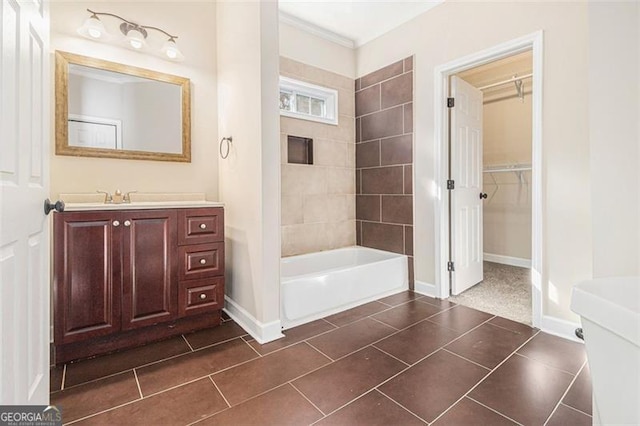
(125, 275)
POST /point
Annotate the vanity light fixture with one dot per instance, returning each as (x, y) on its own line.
(135, 35)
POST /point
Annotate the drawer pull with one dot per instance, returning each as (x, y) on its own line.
(203, 226)
(203, 296)
(127, 223)
(116, 223)
(203, 261)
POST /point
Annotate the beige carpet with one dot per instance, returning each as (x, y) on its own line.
(505, 291)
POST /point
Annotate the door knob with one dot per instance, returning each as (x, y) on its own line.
(483, 195)
(57, 206)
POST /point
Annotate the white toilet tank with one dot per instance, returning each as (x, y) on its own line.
(610, 311)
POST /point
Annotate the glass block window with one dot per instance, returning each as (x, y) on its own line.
(308, 101)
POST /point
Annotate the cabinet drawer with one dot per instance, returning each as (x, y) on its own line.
(201, 261)
(200, 296)
(199, 226)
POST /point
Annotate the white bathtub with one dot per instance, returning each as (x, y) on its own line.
(319, 284)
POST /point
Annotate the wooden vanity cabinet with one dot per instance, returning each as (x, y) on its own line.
(121, 278)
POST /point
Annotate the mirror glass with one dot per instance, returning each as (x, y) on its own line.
(104, 109)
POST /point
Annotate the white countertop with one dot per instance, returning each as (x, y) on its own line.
(140, 205)
(77, 202)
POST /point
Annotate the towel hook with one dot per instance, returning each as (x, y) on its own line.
(229, 140)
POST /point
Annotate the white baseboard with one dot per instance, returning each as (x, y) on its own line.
(425, 289)
(262, 332)
(507, 260)
(559, 327)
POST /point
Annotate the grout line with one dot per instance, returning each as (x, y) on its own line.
(401, 406)
(254, 349)
(508, 329)
(138, 383)
(466, 359)
(64, 377)
(489, 408)
(383, 323)
(566, 391)
(318, 350)
(332, 360)
(351, 401)
(305, 397)
(392, 356)
(549, 366)
(487, 375)
(575, 409)
(153, 363)
(187, 342)
(218, 389)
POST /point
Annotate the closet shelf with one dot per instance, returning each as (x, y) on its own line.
(507, 168)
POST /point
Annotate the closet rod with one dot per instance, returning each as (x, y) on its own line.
(511, 80)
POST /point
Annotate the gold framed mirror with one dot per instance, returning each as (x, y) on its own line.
(111, 110)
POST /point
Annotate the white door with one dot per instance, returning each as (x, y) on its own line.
(24, 184)
(466, 172)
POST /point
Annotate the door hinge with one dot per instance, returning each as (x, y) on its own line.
(450, 266)
(450, 102)
(451, 184)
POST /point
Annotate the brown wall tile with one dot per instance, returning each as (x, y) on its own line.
(368, 154)
(398, 90)
(396, 150)
(408, 118)
(368, 207)
(408, 179)
(382, 124)
(368, 100)
(397, 209)
(358, 181)
(382, 74)
(408, 64)
(359, 232)
(383, 236)
(408, 240)
(357, 84)
(358, 132)
(384, 180)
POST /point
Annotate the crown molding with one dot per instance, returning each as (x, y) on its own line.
(303, 25)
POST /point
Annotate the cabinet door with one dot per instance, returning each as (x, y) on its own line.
(150, 284)
(86, 275)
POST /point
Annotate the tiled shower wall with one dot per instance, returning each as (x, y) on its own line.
(384, 159)
(318, 200)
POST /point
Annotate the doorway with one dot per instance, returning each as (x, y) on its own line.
(445, 271)
(499, 281)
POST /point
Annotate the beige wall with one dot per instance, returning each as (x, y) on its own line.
(507, 211)
(249, 178)
(318, 201)
(316, 51)
(614, 117)
(455, 29)
(191, 21)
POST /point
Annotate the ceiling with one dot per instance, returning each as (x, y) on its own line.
(354, 22)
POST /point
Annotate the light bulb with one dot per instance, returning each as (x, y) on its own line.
(92, 28)
(136, 39)
(94, 33)
(170, 49)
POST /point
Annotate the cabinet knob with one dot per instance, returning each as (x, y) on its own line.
(116, 223)
(203, 226)
(203, 296)
(203, 261)
(127, 223)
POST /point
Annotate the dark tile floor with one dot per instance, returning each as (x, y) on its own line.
(402, 360)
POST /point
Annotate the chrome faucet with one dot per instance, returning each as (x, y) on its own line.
(108, 199)
(117, 198)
